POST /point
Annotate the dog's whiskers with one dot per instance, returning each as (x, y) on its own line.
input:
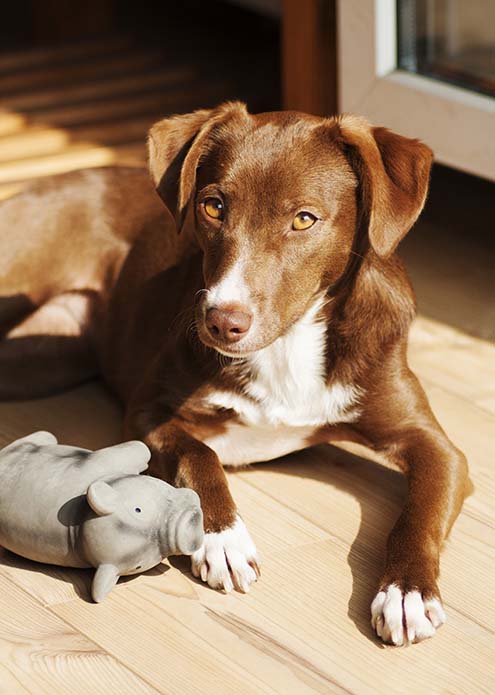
(192, 327)
(203, 291)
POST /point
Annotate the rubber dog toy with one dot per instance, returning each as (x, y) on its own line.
(77, 508)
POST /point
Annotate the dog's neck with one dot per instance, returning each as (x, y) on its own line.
(286, 382)
(313, 372)
(295, 361)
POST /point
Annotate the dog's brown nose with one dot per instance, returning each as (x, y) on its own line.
(228, 325)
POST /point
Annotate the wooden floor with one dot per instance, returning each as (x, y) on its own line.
(319, 518)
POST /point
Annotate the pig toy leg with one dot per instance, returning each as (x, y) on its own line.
(105, 578)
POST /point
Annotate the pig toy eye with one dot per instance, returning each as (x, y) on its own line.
(138, 510)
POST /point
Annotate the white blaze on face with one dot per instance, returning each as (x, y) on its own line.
(231, 289)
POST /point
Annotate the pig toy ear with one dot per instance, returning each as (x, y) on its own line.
(102, 498)
(106, 577)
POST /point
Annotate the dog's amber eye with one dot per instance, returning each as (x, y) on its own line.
(214, 208)
(303, 220)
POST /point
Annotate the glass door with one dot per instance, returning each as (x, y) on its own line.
(425, 68)
(449, 40)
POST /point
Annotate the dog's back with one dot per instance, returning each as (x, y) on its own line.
(68, 232)
(63, 241)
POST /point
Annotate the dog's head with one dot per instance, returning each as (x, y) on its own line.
(277, 198)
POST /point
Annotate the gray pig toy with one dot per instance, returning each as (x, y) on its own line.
(78, 508)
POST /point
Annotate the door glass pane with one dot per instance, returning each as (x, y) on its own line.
(451, 40)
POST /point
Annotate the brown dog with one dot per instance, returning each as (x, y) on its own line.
(277, 319)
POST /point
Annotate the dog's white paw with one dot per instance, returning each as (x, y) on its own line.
(227, 559)
(403, 618)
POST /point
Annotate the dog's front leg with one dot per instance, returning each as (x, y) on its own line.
(407, 607)
(228, 557)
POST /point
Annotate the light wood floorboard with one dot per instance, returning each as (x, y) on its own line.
(320, 519)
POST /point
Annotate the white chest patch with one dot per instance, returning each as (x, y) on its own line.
(286, 398)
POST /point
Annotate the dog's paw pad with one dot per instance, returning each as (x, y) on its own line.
(402, 618)
(227, 560)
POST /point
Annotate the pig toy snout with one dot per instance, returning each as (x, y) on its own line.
(184, 532)
(189, 532)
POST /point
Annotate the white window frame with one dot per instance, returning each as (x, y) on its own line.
(458, 124)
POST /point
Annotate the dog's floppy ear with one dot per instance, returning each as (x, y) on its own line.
(175, 147)
(393, 172)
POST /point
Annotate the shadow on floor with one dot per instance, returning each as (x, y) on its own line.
(81, 579)
(379, 491)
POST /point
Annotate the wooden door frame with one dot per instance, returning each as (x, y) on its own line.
(309, 56)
